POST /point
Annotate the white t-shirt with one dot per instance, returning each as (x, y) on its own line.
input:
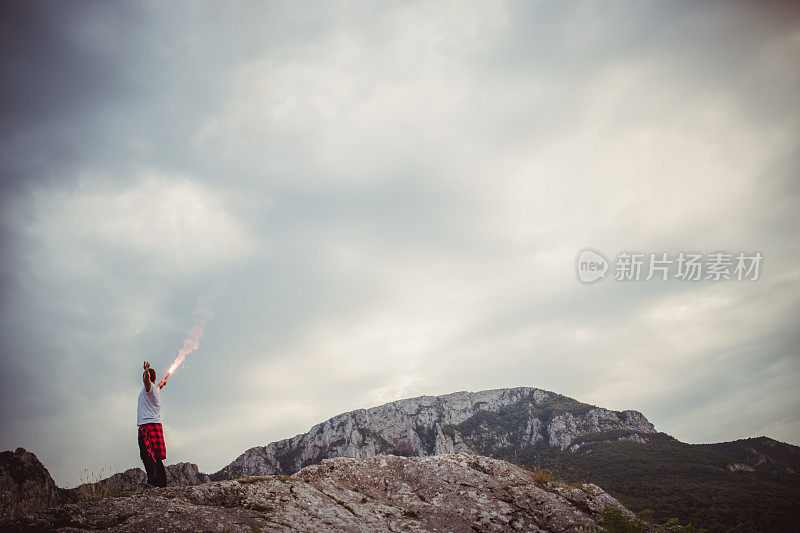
(149, 409)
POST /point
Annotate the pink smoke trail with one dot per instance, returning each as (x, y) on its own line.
(203, 313)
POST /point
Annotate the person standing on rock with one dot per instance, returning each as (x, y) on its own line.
(152, 448)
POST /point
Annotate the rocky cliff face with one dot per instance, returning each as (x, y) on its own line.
(479, 422)
(443, 493)
(25, 484)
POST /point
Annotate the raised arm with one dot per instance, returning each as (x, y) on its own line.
(147, 383)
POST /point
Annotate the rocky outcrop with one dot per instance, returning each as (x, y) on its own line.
(134, 479)
(131, 480)
(443, 493)
(184, 474)
(25, 484)
(478, 422)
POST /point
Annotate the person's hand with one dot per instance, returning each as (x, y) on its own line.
(146, 365)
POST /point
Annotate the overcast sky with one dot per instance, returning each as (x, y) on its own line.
(389, 199)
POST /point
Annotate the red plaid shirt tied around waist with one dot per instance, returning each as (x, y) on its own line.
(153, 436)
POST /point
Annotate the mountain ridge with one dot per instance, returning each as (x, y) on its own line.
(749, 484)
(429, 425)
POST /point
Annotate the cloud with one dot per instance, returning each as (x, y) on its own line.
(396, 196)
(357, 100)
(166, 224)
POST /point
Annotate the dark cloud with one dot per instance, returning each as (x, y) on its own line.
(396, 196)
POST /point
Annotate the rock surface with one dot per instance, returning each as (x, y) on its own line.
(443, 493)
(25, 484)
(477, 422)
(183, 474)
(133, 480)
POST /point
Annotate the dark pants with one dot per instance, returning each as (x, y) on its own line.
(156, 473)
